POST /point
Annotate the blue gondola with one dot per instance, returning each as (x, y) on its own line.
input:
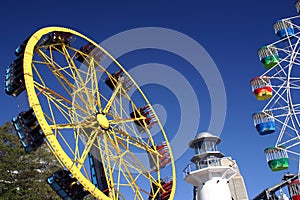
(20, 49)
(7, 73)
(28, 130)
(28, 147)
(264, 122)
(14, 78)
(18, 127)
(67, 187)
(283, 28)
(265, 128)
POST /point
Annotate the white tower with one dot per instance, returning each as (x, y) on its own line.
(206, 172)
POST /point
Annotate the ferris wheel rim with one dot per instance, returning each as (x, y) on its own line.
(52, 141)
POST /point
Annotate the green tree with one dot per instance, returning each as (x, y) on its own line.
(22, 175)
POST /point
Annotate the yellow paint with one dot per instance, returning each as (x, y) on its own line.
(264, 95)
(103, 121)
(49, 130)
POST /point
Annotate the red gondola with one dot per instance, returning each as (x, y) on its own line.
(261, 87)
(294, 189)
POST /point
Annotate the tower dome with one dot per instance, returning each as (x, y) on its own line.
(204, 136)
(205, 145)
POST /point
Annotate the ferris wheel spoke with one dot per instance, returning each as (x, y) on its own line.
(291, 143)
(50, 94)
(294, 79)
(280, 80)
(131, 161)
(64, 113)
(132, 140)
(76, 156)
(55, 69)
(294, 144)
(43, 84)
(284, 124)
(275, 99)
(280, 73)
(293, 56)
(292, 49)
(285, 51)
(129, 183)
(87, 148)
(109, 167)
(128, 120)
(293, 152)
(82, 91)
(296, 61)
(38, 75)
(60, 102)
(121, 117)
(57, 72)
(138, 166)
(53, 102)
(66, 143)
(295, 123)
(94, 82)
(282, 130)
(112, 160)
(283, 112)
(63, 126)
(295, 88)
(131, 180)
(79, 80)
(112, 98)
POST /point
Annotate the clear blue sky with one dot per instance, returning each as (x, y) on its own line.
(230, 31)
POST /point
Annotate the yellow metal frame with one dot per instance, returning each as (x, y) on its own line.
(108, 137)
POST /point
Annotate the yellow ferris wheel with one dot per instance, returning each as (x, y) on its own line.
(93, 117)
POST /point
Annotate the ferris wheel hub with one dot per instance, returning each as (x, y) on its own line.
(102, 121)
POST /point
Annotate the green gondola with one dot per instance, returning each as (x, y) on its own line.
(277, 158)
(269, 56)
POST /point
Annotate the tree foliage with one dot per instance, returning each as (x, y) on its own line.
(22, 175)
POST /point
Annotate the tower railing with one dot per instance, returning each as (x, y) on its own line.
(208, 162)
